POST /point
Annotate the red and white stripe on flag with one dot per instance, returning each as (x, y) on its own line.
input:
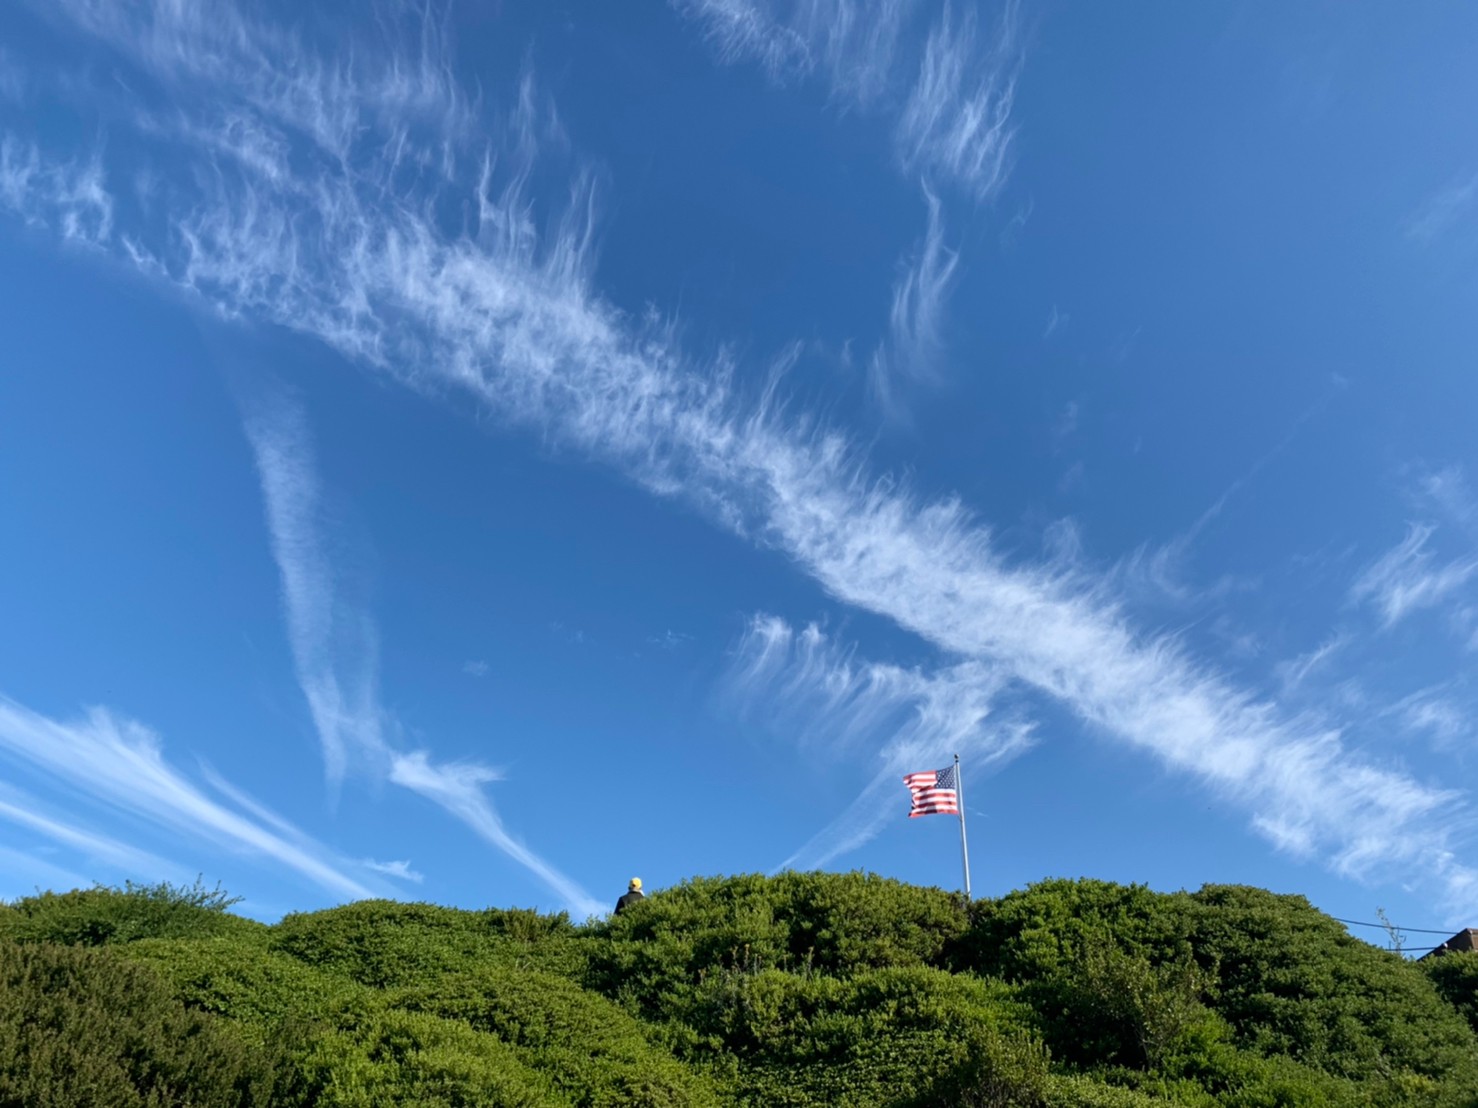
(934, 792)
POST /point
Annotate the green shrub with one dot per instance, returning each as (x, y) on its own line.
(1292, 982)
(386, 943)
(92, 917)
(800, 922)
(591, 1050)
(247, 982)
(1455, 976)
(799, 990)
(878, 1037)
(1105, 963)
(1080, 1091)
(395, 1057)
(999, 1071)
(85, 1027)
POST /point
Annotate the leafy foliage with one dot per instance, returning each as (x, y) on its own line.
(1157, 978)
(80, 1026)
(91, 917)
(1456, 978)
(836, 924)
(594, 1052)
(801, 989)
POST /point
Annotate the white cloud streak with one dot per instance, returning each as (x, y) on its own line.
(459, 789)
(916, 320)
(957, 122)
(121, 763)
(21, 810)
(1296, 671)
(954, 121)
(1442, 212)
(349, 254)
(70, 196)
(400, 869)
(1406, 578)
(804, 683)
(852, 43)
(1439, 712)
(333, 643)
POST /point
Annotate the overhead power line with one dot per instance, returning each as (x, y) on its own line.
(1385, 927)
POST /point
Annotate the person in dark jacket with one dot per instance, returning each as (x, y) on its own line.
(633, 894)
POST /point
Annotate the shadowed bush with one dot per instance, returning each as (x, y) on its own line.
(85, 1027)
(1456, 979)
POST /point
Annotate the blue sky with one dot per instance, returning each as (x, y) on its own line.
(480, 453)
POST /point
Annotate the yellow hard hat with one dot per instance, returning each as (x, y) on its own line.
(635, 883)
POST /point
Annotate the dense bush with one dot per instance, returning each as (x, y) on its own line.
(800, 990)
(891, 1036)
(245, 981)
(594, 1052)
(1456, 979)
(1125, 977)
(796, 922)
(385, 943)
(393, 1057)
(1292, 982)
(86, 1027)
(91, 917)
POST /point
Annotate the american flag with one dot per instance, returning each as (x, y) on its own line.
(934, 792)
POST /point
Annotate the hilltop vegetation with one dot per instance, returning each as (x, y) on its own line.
(801, 989)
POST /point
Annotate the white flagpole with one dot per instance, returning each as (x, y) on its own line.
(964, 846)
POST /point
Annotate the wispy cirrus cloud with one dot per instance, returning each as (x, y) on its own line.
(804, 683)
(1442, 212)
(916, 320)
(345, 251)
(1408, 577)
(400, 869)
(333, 642)
(853, 43)
(120, 764)
(459, 788)
(957, 121)
(1296, 671)
(25, 811)
(951, 99)
(68, 195)
(1442, 712)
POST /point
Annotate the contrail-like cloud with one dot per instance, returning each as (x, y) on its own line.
(24, 811)
(343, 246)
(333, 643)
(120, 763)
